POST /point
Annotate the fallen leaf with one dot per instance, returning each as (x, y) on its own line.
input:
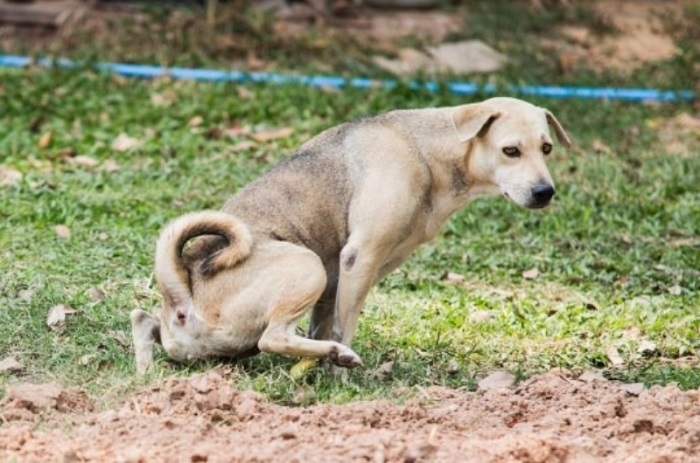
(124, 142)
(27, 294)
(96, 294)
(10, 364)
(196, 121)
(453, 367)
(9, 176)
(384, 370)
(496, 380)
(589, 376)
(110, 166)
(632, 333)
(242, 146)
(57, 316)
(481, 316)
(44, 140)
(237, 131)
(62, 231)
(103, 236)
(675, 290)
(646, 347)
(272, 134)
(661, 268)
(244, 93)
(302, 366)
(614, 356)
(531, 274)
(600, 147)
(674, 243)
(87, 359)
(85, 161)
(163, 99)
(454, 277)
(120, 337)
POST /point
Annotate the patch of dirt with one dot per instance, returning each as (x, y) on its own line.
(549, 418)
(679, 135)
(640, 36)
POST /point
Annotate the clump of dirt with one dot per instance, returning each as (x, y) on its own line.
(549, 418)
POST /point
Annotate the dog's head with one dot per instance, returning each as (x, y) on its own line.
(508, 142)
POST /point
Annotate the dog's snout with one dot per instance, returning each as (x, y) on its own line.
(541, 194)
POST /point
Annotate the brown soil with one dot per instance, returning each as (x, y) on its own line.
(640, 36)
(549, 418)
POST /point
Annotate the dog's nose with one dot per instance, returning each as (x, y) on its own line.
(542, 193)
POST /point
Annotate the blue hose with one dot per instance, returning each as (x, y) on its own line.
(458, 88)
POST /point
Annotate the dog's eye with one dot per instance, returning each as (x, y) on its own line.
(511, 151)
(546, 148)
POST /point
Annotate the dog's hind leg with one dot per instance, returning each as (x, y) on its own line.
(297, 296)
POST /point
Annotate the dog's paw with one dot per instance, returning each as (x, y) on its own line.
(345, 357)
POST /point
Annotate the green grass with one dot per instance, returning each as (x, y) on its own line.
(607, 251)
(612, 252)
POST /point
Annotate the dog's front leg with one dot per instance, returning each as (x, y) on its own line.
(358, 272)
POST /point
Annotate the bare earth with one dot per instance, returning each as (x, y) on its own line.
(549, 418)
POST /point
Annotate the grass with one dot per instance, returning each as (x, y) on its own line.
(617, 254)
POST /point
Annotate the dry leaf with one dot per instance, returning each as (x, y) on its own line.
(62, 231)
(272, 134)
(120, 337)
(44, 140)
(196, 121)
(110, 166)
(165, 98)
(242, 146)
(384, 370)
(496, 380)
(10, 364)
(454, 277)
(481, 316)
(244, 93)
(96, 294)
(237, 131)
(87, 359)
(673, 243)
(85, 161)
(453, 367)
(9, 176)
(103, 236)
(531, 274)
(675, 290)
(123, 142)
(590, 376)
(646, 347)
(600, 147)
(614, 356)
(27, 294)
(632, 333)
(57, 316)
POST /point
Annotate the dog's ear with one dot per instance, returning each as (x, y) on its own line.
(145, 329)
(473, 120)
(561, 133)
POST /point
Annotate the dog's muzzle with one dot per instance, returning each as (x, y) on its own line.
(541, 195)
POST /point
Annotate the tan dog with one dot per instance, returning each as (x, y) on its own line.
(326, 224)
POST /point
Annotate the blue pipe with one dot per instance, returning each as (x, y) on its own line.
(458, 88)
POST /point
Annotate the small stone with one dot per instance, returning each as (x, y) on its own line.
(497, 380)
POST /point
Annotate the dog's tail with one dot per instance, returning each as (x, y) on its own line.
(172, 269)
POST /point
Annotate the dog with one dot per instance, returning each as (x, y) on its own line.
(318, 230)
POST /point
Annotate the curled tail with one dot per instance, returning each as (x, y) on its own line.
(172, 268)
